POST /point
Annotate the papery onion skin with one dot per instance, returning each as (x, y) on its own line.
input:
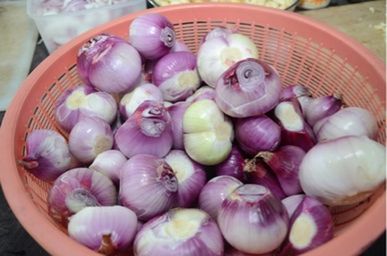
(258, 133)
(148, 186)
(248, 88)
(233, 165)
(109, 63)
(147, 131)
(217, 54)
(180, 232)
(109, 163)
(322, 107)
(343, 171)
(347, 121)
(90, 137)
(48, 154)
(252, 220)
(215, 192)
(78, 188)
(105, 229)
(152, 35)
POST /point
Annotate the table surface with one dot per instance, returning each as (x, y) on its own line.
(363, 21)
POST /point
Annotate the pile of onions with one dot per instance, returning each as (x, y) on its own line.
(166, 152)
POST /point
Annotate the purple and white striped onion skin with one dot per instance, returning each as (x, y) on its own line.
(78, 188)
(176, 112)
(190, 177)
(322, 107)
(285, 163)
(176, 75)
(180, 46)
(343, 171)
(248, 88)
(130, 101)
(310, 226)
(147, 131)
(233, 165)
(109, 163)
(294, 129)
(84, 101)
(204, 92)
(109, 63)
(258, 133)
(48, 155)
(90, 137)
(294, 91)
(252, 220)
(180, 232)
(292, 202)
(105, 229)
(215, 192)
(152, 35)
(148, 186)
(347, 122)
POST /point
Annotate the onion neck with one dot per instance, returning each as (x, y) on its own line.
(154, 120)
(167, 36)
(107, 248)
(167, 177)
(29, 164)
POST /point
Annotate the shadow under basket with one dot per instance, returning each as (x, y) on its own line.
(303, 51)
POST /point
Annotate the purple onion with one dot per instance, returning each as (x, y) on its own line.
(148, 186)
(147, 131)
(233, 165)
(285, 163)
(105, 229)
(310, 226)
(252, 220)
(48, 154)
(294, 91)
(176, 75)
(257, 133)
(257, 172)
(84, 101)
(78, 188)
(248, 88)
(90, 137)
(322, 107)
(109, 63)
(180, 46)
(109, 163)
(152, 35)
(204, 92)
(292, 202)
(180, 232)
(215, 192)
(190, 177)
(177, 111)
(130, 101)
(295, 130)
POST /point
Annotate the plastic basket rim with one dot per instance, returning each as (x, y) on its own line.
(48, 235)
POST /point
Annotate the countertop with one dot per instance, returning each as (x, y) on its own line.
(363, 21)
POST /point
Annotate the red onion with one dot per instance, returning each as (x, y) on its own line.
(130, 101)
(82, 101)
(180, 232)
(250, 87)
(294, 91)
(310, 226)
(78, 188)
(285, 163)
(257, 133)
(292, 202)
(147, 131)
(176, 75)
(204, 92)
(109, 163)
(233, 165)
(152, 35)
(346, 122)
(48, 154)
(180, 46)
(219, 52)
(105, 229)
(215, 192)
(148, 186)
(252, 220)
(177, 111)
(109, 63)
(257, 172)
(322, 107)
(90, 137)
(295, 131)
(190, 176)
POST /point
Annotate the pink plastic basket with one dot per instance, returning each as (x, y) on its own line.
(302, 50)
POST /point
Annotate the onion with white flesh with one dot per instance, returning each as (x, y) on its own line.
(343, 171)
